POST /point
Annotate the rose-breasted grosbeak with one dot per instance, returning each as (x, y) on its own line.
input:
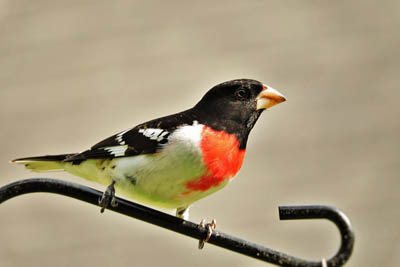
(176, 160)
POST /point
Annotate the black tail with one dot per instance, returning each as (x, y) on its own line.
(45, 158)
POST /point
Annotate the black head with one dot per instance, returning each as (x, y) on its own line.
(235, 106)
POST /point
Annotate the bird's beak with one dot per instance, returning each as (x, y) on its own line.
(269, 97)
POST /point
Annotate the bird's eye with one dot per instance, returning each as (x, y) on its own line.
(242, 94)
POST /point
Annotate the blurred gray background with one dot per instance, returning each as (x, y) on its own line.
(75, 72)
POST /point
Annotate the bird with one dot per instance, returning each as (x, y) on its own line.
(173, 161)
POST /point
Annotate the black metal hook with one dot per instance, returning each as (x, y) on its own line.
(188, 228)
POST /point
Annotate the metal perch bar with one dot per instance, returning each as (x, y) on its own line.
(188, 228)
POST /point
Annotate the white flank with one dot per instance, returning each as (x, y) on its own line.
(117, 150)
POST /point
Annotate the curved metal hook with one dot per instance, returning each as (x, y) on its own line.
(325, 212)
(188, 228)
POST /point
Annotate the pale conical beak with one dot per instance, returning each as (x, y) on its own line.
(269, 97)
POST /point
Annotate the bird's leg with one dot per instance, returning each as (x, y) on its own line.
(183, 213)
(108, 197)
(210, 227)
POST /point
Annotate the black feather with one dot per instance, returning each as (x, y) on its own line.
(45, 158)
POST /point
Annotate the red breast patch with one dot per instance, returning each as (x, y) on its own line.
(221, 156)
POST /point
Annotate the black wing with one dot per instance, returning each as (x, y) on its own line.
(145, 138)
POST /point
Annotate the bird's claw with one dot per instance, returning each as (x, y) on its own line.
(108, 198)
(210, 227)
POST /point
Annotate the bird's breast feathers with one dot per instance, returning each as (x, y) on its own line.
(221, 156)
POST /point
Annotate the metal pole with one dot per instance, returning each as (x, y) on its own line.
(191, 229)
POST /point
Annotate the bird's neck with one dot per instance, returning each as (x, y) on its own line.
(226, 123)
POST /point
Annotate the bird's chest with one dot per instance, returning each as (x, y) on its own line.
(221, 153)
(221, 157)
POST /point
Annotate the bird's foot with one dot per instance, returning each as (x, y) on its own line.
(210, 227)
(108, 198)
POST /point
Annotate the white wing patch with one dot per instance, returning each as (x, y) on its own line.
(119, 137)
(117, 151)
(154, 134)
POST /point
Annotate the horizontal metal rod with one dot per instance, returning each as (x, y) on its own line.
(191, 229)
